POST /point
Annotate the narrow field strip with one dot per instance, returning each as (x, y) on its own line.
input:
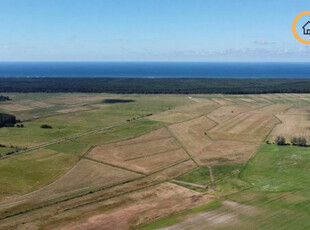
(112, 165)
(188, 183)
(150, 155)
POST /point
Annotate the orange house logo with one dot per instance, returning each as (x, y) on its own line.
(306, 28)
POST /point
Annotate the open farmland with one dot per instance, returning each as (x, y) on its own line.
(125, 161)
(292, 126)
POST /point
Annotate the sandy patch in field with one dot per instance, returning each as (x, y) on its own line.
(222, 150)
(191, 133)
(244, 127)
(226, 112)
(145, 206)
(241, 208)
(292, 126)
(205, 220)
(226, 216)
(172, 117)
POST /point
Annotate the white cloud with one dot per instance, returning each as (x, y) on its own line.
(5, 47)
(263, 42)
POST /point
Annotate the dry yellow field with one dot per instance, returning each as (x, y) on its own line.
(145, 154)
(226, 152)
(226, 112)
(198, 108)
(292, 126)
(245, 127)
(173, 117)
(192, 133)
(222, 101)
(274, 109)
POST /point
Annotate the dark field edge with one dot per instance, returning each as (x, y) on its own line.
(155, 85)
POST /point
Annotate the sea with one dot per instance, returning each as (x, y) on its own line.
(155, 69)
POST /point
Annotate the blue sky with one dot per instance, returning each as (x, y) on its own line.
(151, 30)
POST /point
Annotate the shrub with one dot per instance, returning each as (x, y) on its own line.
(299, 141)
(280, 140)
(7, 120)
(4, 98)
(45, 126)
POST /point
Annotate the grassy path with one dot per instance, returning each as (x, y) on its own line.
(188, 183)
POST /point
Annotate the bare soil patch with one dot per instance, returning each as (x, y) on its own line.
(144, 206)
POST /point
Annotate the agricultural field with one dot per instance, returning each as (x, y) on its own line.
(108, 161)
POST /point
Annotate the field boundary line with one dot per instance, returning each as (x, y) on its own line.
(169, 166)
(138, 142)
(113, 165)
(211, 177)
(181, 145)
(52, 182)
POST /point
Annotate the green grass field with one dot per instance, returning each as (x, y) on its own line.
(278, 188)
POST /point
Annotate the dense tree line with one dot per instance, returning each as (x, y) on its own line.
(7, 120)
(4, 98)
(156, 85)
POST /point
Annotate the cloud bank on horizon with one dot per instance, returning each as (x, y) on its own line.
(150, 30)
